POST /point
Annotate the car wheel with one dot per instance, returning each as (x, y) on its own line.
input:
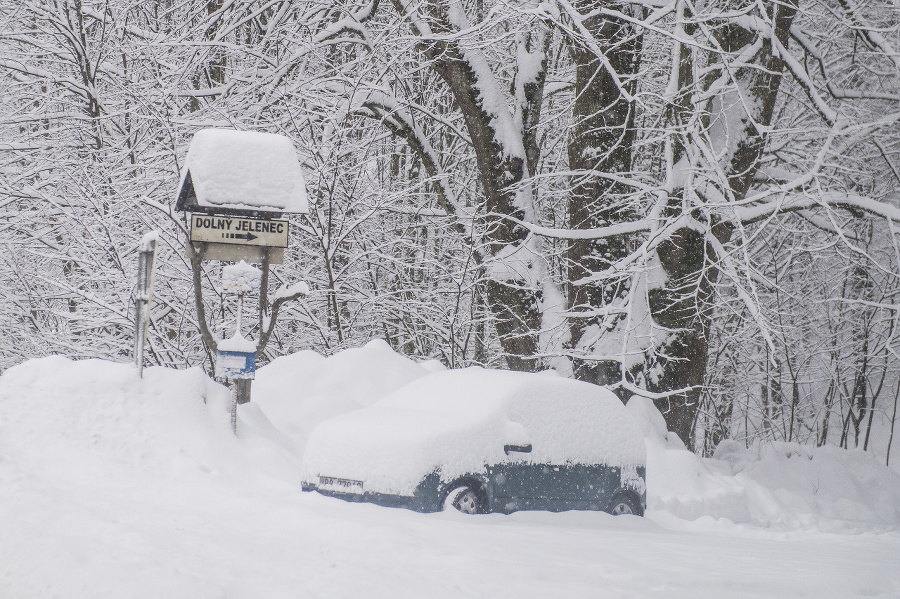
(624, 504)
(466, 500)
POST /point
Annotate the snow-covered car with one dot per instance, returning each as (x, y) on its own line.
(484, 441)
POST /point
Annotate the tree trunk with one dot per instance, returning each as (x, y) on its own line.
(601, 142)
(688, 258)
(512, 296)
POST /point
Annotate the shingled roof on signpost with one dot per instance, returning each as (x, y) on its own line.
(241, 173)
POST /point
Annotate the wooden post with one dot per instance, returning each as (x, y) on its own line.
(263, 304)
(243, 390)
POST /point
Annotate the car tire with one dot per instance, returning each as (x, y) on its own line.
(624, 504)
(465, 499)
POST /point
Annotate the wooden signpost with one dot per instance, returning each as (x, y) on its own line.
(235, 189)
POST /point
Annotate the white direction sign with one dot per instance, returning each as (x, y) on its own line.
(239, 230)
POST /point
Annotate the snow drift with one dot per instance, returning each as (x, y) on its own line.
(96, 422)
(774, 485)
(300, 390)
(114, 486)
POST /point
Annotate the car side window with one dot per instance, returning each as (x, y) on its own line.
(559, 430)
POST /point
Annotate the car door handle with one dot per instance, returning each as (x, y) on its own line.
(520, 448)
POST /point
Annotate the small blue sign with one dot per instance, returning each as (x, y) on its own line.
(235, 365)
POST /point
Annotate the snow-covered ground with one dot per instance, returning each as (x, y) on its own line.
(115, 487)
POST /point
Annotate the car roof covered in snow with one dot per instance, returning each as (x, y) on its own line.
(226, 169)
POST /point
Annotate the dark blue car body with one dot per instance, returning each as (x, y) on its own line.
(508, 488)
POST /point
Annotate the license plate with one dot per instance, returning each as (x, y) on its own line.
(343, 485)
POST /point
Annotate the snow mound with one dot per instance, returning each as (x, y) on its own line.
(458, 421)
(95, 421)
(772, 485)
(650, 422)
(240, 278)
(300, 390)
(564, 418)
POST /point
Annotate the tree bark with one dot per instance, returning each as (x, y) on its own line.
(688, 258)
(602, 141)
(514, 301)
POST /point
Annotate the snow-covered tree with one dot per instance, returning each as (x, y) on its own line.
(693, 201)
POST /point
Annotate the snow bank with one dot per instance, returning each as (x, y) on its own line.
(96, 422)
(780, 485)
(245, 169)
(114, 486)
(564, 418)
(457, 421)
(300, 390)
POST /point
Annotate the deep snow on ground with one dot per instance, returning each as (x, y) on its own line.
(776, 485)
(115, 487)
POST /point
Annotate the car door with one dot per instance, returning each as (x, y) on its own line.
(582, 486)
(513, 478)
(526, 478)
(552, 476)
(572, 482)
(518, 483)
(535, 484)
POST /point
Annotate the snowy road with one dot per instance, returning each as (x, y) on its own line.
(201, 542)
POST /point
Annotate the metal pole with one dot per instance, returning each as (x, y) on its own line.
(145, 275)
(234, 403)
(139, 306)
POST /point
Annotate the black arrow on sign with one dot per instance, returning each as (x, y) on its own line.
(247, 236)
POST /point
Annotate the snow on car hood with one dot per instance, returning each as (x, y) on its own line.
(456, 422)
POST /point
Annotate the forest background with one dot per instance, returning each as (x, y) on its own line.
(692, 200)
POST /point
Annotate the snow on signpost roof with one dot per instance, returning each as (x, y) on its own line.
(242, 170)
